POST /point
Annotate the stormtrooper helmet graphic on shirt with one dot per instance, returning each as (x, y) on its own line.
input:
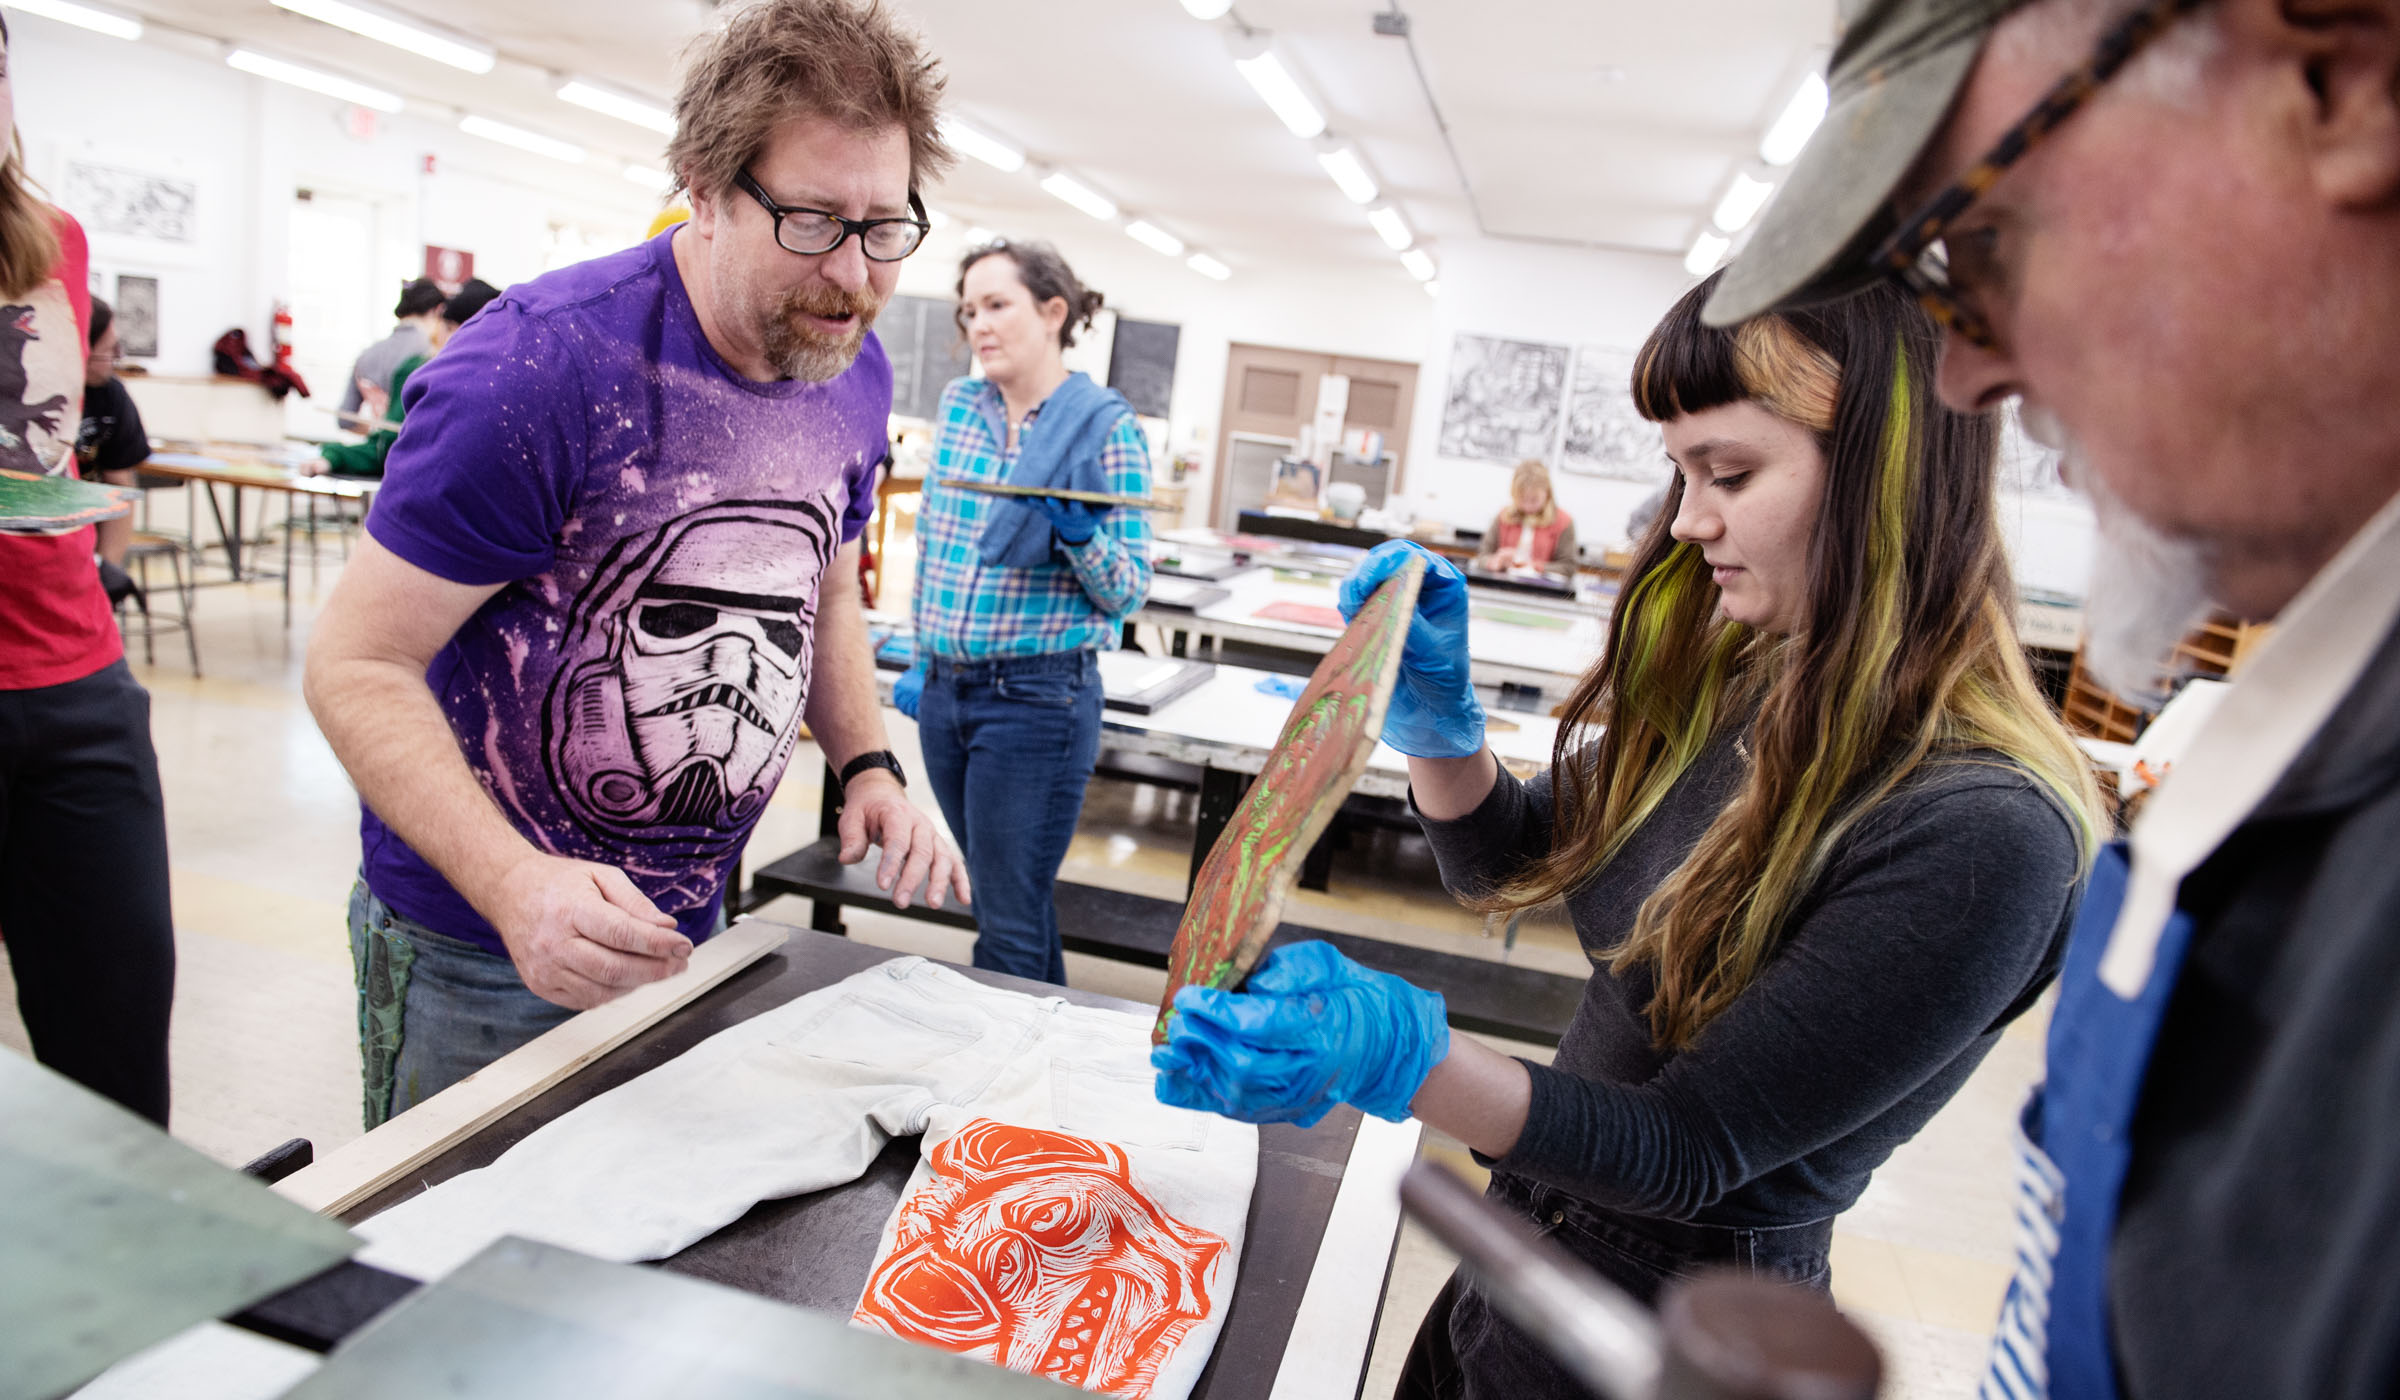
(688, 660)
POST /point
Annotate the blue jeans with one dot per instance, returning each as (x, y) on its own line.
(432, 1009)
(1009, 744)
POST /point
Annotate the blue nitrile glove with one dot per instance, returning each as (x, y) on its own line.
(908, 692)
(1312, 1030)
(1074, 522)
(1434, 712)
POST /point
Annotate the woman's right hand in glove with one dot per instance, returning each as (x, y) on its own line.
(1434, 712)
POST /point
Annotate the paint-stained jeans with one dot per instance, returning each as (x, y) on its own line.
(1009, 745)
(431, 1009)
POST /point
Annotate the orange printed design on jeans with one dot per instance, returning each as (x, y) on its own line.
(1038, 1251)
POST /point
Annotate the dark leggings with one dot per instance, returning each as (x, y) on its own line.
(83, 884)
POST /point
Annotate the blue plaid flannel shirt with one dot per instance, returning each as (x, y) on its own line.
(967, 610)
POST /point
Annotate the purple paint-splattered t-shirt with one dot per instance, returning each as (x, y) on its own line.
(661, 524)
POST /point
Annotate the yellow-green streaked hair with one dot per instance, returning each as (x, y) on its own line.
(1908, 654)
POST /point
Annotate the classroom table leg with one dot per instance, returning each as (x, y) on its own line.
(1221, 793)
(287, 560)
(228, 538)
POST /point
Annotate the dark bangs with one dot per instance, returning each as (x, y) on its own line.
(1687, 365)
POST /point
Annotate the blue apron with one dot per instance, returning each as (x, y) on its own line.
(2073, 1146)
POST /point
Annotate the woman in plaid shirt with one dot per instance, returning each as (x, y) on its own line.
(1015, 598)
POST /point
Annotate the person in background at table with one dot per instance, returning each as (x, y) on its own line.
(1531, 531)
(385, 408)
(612, 572)
(84, 909)
(1015, 599)
(111, 442)
(1816, 828)
(420, 316)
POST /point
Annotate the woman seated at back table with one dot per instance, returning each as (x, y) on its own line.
(1817, 831)
(1531, 531)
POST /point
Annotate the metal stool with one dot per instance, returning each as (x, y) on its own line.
(146, 547)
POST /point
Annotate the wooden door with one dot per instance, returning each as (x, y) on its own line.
(1272, 392)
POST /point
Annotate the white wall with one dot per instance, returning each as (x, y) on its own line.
(250, 145)
(1518, 291)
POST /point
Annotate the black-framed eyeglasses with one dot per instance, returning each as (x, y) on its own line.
(812, 232)
(1921, 254)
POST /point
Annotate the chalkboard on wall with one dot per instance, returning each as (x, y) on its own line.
(1141, 365)
(926, 351)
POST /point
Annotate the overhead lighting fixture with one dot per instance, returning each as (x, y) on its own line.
(1742, 203)
(1154, 238)
(92, 17)
(608, 102)
(649, 177)
(384, 27)
(1419, 264)
(313, 79)
(1207, 9)
(1207, 266)
(522, 139)
(937, 218)
(1348, 171)
(1255, 59)
(1707, 251)
(1069, 190)
(1789, 135)
(982, 145)
(1391, 226)
(978, 235)
(1434, 287)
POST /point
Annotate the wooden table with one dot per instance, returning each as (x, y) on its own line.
(1324, 1216)
(247, 469)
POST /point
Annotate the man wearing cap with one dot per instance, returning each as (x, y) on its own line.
(2173, 228)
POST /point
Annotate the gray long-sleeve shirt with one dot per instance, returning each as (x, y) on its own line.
(1940, 918)
(377, 363)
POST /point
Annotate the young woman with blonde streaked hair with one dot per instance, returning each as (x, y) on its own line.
(1817, 831)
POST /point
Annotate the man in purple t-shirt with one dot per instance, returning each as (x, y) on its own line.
(614, 568)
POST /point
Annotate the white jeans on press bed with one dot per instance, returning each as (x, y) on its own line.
(1046, 1234)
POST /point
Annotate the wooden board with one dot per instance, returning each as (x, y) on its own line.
(1333, 729)
(53, 505)
(1058, 493)
(359, 1169)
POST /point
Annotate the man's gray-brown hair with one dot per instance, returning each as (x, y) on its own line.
(776, 60)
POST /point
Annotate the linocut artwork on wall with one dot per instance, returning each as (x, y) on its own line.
(1041, 1252)
(1606, 435)
(137, 317)
(1504, 398)
(134, 203)
(1332, 731)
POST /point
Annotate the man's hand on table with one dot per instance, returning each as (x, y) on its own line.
(581, 934)
(876, 812)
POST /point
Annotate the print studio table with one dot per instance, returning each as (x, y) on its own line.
(253, 470)
(1323, 1220)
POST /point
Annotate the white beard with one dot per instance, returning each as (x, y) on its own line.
(2148, 589)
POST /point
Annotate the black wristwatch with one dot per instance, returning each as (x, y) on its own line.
(880, 758)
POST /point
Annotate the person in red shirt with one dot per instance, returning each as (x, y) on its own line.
(83, 832)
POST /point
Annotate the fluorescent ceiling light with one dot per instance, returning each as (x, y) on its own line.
(978, 235)
(1207, 9)
(1742, 203)
(1156, 239)
(1207, 266)
(1791, 131)
(313, 79)
(1349, 172)
(1419, 264)
(937, 218)
(1387, 222)
(92, 17)
(650, 177)
(1434, 288)
(384, 27)
(982, 145)
(1707, 251)
(610, 103)
(522, 139)
(1072, 191)
(1276, 86)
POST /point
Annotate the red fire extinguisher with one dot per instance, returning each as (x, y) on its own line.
(281, 333)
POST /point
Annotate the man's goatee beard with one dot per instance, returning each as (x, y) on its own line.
(798, 352)
(2148, 589)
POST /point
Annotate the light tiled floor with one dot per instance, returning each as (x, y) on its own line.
(262, 829)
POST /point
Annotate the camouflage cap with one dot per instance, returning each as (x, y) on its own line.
(1896, 72)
